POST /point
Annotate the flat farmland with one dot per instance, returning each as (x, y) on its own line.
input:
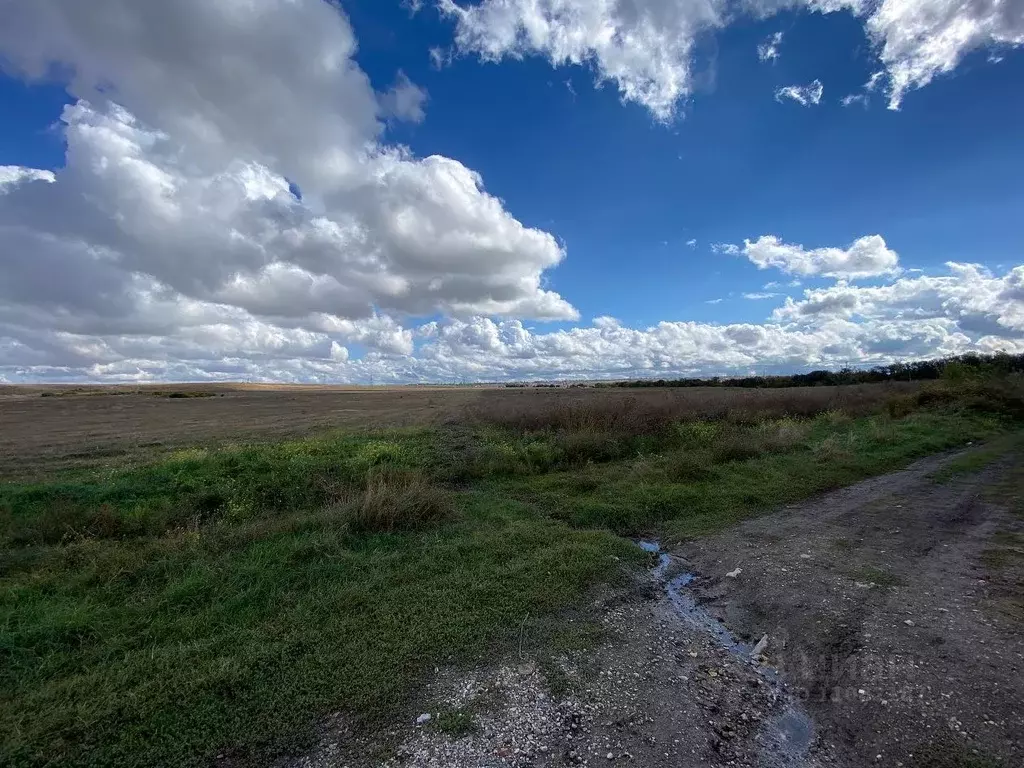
(43, 429)
(241, 576)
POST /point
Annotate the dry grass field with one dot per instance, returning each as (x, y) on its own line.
(45, 428)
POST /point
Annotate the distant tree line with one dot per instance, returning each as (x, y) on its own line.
(957, 367)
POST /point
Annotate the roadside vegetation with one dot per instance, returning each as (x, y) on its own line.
(219, 600)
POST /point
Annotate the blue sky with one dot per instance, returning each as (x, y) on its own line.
(707, 221)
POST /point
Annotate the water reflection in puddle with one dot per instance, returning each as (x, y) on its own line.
(788, 737)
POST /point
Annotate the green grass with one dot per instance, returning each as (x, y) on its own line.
(979, 458)
(223, 600)
(455, 722)
(699, 488)
(174, 648)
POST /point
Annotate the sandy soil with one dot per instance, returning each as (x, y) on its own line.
(893, 616)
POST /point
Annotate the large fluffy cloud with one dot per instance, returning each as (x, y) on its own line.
(866, 257)
(920, 39)
(646, 47)
(175, 210)
(968, 309)
(230, 208)
(970, 297)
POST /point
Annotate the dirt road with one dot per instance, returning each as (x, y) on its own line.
(893, 618)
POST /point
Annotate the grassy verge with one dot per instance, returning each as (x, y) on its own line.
(981, 457)
(724, 475)
(223, 600)
(167, 650)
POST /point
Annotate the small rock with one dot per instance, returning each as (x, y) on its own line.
(734, 574)
(610, 756)
(424, 718)
(805, 556)
(760, 647)
(909, 622)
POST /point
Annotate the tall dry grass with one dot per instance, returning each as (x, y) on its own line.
(649, 412)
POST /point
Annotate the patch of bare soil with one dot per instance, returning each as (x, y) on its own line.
(880, 605)
(892, 611)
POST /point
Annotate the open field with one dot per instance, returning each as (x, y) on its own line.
(201, 580)
(44, 428)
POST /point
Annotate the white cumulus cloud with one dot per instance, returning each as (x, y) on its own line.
(172, 233)
(866, 257)
(647, 48)
(920, 39)
(172, 246)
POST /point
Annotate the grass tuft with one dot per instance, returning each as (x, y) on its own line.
(396, 500)
(455, 722)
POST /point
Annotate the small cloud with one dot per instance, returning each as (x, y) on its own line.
(404, 100)
(855, 98)
(769, 49)
(758, 296)
(692, 243)
(794, 283)
(874, 80)
(568, 84)
(867, 256)
(440, 57)
(804, 95)
(412, 6)
(714, 301)
(727, 248)
(607, 322)
(339, 354)
(772, 285)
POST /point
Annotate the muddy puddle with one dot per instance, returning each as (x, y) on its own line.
(786, 739)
